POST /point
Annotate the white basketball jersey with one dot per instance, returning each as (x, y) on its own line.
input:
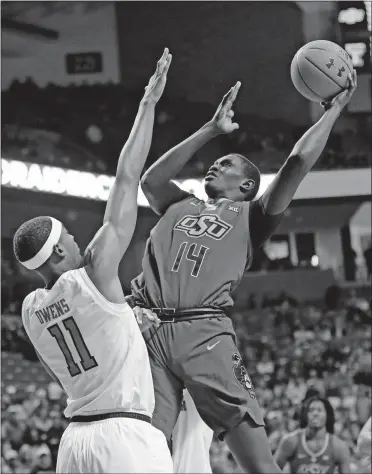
(364, 444)
(94, 347)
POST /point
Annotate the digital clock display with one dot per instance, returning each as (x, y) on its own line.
(84, 63)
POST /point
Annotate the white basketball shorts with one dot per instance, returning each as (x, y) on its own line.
(114, 445)
(191, 440)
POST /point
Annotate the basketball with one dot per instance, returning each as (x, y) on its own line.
(320, 69)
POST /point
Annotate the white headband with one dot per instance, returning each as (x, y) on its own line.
(46, 250)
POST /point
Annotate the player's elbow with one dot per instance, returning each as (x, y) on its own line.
(296, 160)
(153, 195)
(295, 168)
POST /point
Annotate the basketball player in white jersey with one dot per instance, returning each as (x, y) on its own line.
(364, 448)
(191, 440)
(85, 333)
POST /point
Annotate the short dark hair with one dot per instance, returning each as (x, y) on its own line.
(30, 237)
(330, 414)
(251, 171)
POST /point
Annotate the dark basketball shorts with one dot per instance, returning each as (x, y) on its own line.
(202, 356)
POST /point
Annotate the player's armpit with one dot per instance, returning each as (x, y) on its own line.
(261, 224)
(280, 192)
(162, 197)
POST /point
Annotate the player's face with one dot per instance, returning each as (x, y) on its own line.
(316, 414)
(225, 175)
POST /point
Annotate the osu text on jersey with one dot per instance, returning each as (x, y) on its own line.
(205, 225)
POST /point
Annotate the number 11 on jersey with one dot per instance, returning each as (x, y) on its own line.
(87, 361)
(193, 255)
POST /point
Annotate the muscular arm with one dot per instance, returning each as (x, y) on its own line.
(108, 246)
(111, 241)
(342, 456)
(285, 451)
(304, 155)
(156, 182)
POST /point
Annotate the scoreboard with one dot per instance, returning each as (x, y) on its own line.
(354, 19)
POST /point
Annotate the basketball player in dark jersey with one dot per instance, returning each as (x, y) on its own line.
(314, 449)
(195, 257)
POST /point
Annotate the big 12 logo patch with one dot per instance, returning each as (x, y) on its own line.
(207, 224)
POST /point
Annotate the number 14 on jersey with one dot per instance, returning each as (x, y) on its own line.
(194, 253)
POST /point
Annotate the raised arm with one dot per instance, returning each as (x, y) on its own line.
(156, 183)
(107, 248)
(305, 154)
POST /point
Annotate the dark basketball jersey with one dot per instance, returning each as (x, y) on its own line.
(197, 253)
(305, 461)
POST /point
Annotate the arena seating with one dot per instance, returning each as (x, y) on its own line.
(85, 127)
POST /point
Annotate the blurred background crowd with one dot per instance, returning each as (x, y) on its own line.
(72, 76)
(105, 119)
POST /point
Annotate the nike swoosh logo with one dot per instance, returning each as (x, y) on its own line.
(210, 347)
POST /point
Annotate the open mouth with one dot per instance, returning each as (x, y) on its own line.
(210, 176)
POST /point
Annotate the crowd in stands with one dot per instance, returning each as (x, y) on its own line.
(290, 349)
(84, 127)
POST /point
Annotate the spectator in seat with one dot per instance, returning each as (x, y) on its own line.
(43, 461)
(14, 426)
(26, 458)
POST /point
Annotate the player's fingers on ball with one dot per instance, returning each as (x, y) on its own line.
(349, 81)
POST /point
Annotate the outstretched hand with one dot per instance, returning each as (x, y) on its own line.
(222, 119)
(156, 85)
(344, 97)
